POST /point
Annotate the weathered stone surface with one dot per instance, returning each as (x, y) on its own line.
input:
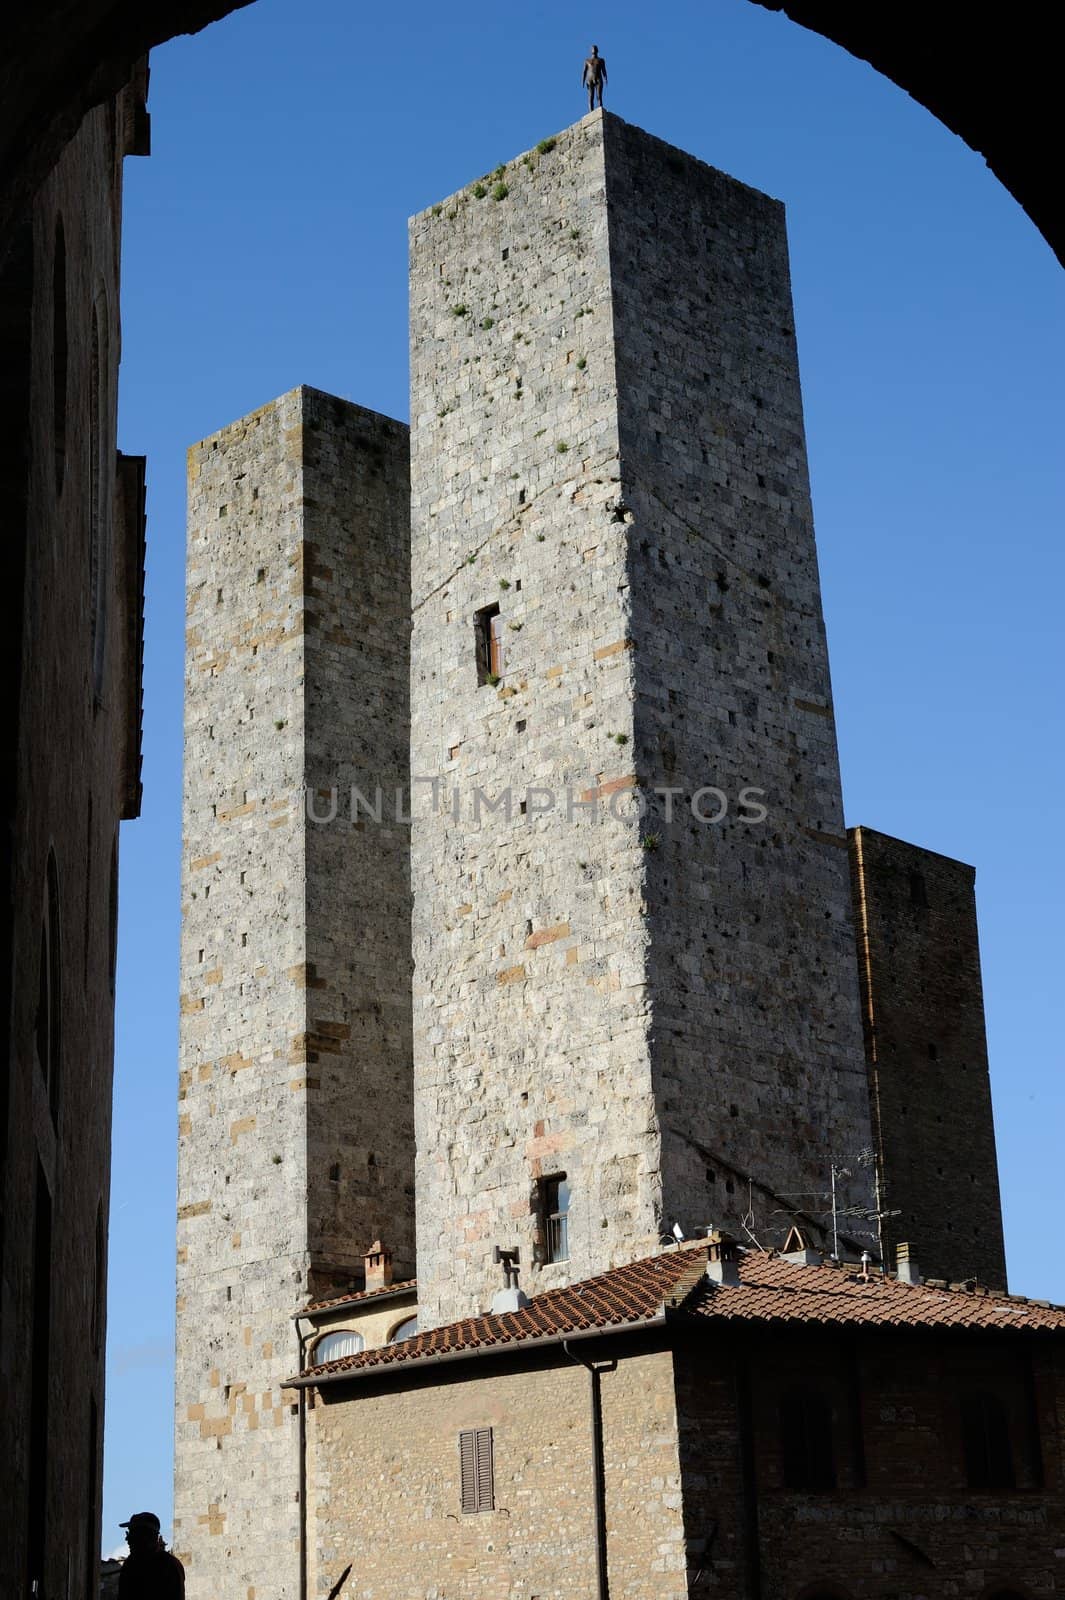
(607, 443)
(296, 1146)
(919, 957)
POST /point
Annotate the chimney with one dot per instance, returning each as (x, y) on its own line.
(905, 1266)
(722, 1259)
(510, 1297)
(378, 1263)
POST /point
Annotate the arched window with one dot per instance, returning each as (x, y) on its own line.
(332, 1346)
(807, 1451)
(59, 355)
(48, 1027)
(985, 1435)
(404, 1330)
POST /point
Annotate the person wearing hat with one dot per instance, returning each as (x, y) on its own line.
(150, 1571)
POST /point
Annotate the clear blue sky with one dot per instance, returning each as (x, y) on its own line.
(265, 246)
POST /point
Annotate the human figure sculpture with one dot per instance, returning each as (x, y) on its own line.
(594, 77)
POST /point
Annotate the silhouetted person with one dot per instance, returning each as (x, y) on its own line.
(149, 1572)
(594, 77)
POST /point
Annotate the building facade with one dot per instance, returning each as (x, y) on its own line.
(782, 1431)
(72, 598)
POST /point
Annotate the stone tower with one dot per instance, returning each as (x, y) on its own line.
(296, 1136)
(615, 595)
(919, 962)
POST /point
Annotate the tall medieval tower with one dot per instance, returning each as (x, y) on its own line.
(296, 1138)
(617, 610)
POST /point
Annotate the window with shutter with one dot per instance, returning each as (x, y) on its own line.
(488, 631)
(476, 1469)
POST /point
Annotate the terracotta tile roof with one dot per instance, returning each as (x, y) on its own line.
(774, 1290)
(356, 1296)
(770, 1290)
(631, 1294)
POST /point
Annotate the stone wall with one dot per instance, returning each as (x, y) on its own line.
(295, 1116)
(919, 959)
(385, 1484)
(756, 1046)
(697, 1501)
(607, 445)
(72, 597)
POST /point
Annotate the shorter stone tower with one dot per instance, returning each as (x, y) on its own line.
(919, 963)
(296, 1122)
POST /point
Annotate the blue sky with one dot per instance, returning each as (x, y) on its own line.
(265, 246)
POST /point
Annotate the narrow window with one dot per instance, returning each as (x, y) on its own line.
(478, 1476)
(333, 1346)
(806, 1445)
(488, 626)
(59, 356)
(986, 1442)
(554, 1216)
(918, 890)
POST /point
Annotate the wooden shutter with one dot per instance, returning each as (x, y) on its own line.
(477, 1475)
(485, 1473)
(495, 645)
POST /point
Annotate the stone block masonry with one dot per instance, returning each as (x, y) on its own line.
(927, 1052)
(607, 449)
(296, 1121)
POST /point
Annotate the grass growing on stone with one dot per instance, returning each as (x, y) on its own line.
(478, 191)
(562, 447)
(460, 311)
(500, 192)
(545, 147)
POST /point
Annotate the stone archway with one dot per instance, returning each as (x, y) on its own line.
(993, 83)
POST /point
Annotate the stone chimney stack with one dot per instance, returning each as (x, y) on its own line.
(378, 1261)
(905, 1266)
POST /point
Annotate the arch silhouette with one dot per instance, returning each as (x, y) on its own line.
(989, 82)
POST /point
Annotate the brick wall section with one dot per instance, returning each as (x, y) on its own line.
(919, 960)
(68, 777)
(606, 411)
(385, 1485)
(912, 1529)
(757, 1051)
(295, 1114)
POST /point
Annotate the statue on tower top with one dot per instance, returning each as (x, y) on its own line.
(594, 77)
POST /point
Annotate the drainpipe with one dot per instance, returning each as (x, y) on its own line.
(602, 1581)
(301, 1363)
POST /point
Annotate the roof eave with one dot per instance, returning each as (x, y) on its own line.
(507, 1347)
